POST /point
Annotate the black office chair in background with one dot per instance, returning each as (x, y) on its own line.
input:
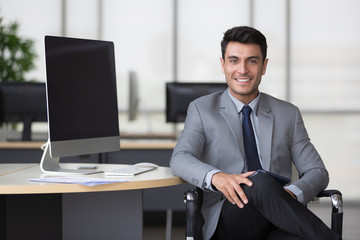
(23, 102)
(195, 220)
(179, 95)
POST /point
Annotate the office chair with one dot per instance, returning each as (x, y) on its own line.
(195, 220)
(179, 95)
(23, 102)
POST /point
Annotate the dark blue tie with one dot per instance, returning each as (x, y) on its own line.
(251, 153)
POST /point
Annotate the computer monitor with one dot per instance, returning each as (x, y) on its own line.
(179, 95)
(81, 100)
(23, 102)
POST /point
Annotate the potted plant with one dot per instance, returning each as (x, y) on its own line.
(16, 54)
(17, 57)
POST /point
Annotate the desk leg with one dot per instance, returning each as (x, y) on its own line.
(103, 215)
(3, 229)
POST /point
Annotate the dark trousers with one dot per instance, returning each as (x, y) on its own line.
(271, 214)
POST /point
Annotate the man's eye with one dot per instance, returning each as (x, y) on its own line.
(233, 60)
(252, 61)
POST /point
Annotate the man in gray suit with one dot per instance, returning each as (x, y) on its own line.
(212, 154)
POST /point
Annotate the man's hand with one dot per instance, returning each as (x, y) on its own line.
(291, 194)
(229, 185)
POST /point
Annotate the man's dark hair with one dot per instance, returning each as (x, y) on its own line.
(246, 35)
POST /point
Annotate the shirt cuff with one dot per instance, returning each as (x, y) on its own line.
(297, 192)
(208, 177)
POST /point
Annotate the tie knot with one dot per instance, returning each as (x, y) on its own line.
(246, 110)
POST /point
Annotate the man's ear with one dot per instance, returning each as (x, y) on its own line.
(265, 66)
(222, 61)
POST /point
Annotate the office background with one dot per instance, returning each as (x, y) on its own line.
(314, 58)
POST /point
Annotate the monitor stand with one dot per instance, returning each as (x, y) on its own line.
(52, 165)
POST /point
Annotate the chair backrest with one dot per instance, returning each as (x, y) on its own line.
(23, 102)
(179, 96)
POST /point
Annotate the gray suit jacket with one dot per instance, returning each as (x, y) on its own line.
(212, 139)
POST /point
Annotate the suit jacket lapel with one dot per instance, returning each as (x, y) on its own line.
(266, 124)
(229, 113)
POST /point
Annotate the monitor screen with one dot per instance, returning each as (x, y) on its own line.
(179, 96)
(81, 96)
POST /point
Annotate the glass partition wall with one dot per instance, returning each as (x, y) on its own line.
(314, 58)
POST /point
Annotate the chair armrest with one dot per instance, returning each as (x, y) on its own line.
(336, 199)
(337, 209)
(194, 219)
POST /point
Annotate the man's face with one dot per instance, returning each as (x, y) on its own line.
(243, 67)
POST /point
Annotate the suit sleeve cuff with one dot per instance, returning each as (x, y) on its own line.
(297, 192)
(208, 177)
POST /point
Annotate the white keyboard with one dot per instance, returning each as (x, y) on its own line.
(128, 171)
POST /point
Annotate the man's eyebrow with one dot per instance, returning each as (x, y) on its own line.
(236, 57)
(252, 57)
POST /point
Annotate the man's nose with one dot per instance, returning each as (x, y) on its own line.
(242, 68)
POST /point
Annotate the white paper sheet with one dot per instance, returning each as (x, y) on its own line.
(76, 180)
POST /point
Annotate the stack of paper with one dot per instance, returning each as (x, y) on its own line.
(77, 180)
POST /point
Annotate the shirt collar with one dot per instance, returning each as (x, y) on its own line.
(239, 105)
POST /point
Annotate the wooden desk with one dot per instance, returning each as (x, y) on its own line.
(132, 151)
(20, 145)
(71, 211)
(127, 144)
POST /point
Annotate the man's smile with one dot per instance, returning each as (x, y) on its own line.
(242, 79)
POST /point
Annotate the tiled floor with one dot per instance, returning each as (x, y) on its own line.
(351, 224)
(158, 233)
